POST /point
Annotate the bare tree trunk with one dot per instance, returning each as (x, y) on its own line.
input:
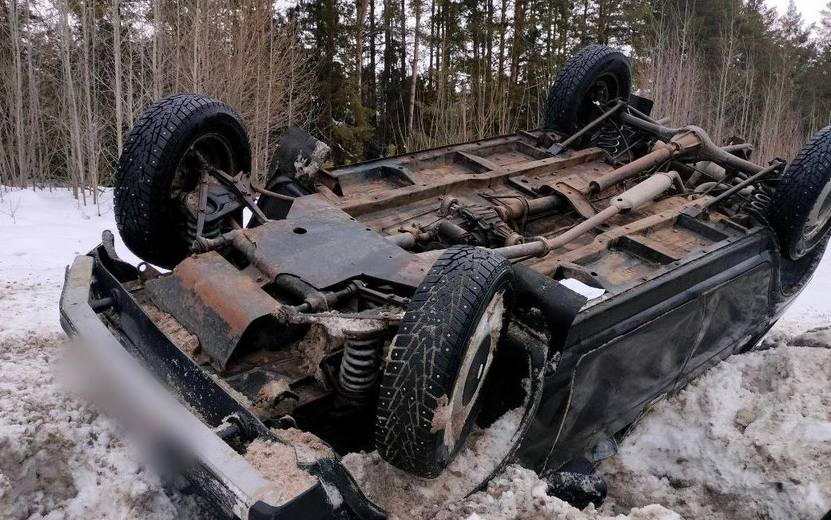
(157, 34)
(119, 123)
(372, 99)
(416, 5)
(503, 13)
(70, 97)
(90, 137)
(131, 102)
(361, 7)
(432, 43)
(17, 97)
(518, 47)
(35, 161)
(403, 21)
(196, 43)
(488, 51)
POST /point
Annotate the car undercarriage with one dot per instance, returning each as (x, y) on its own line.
(575, 272)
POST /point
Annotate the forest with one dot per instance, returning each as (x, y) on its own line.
(380, 77)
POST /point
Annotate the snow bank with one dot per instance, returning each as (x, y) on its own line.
(750, 439)
(58, 458)
(519, 493)
(406, 496)
(516, 493)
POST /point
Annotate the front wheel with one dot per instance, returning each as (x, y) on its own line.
(436, 365)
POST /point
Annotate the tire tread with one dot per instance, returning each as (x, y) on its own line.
(427, 352)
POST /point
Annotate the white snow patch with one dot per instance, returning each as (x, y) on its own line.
(518, 493)
(812, 308)
(749, 439)
(58, 458)
(42, 233)
(406, 496)
(580, 288)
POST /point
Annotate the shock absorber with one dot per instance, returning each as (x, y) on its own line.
(361, 363)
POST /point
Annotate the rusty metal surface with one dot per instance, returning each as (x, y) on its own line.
(324, 246)
(216, 302)
(340, 233)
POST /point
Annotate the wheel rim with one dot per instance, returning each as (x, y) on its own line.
(216, 150)
(478, 357)
(602, 90)
(817, 222)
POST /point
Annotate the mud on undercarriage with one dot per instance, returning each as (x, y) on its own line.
(396, 304)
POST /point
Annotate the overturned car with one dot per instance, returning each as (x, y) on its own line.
(573, 273)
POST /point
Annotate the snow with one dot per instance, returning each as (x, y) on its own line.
(58, 458)
(405, 496)
(42, 233)
(585, 290)
(749, 439)
(519, 493)
(755, 442)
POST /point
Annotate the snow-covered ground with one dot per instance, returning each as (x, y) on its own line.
(749, 439)
(42, 231)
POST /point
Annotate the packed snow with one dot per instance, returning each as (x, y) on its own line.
(749, 439)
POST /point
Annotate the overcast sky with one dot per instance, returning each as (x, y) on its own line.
(810, 8)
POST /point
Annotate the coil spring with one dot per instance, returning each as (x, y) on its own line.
(760, 201)
(610, 138)
(359, 368)
(211, 229)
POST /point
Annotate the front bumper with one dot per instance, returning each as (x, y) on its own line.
(143, 370)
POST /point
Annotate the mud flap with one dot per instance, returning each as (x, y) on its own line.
(558, 303)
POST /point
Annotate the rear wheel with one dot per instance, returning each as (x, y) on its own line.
(158, 179)
(585, 84)
(801, 206)
(436, 365)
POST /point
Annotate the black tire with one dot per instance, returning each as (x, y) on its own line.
(597, 72)
(149, 220)
(432, 365)
(805, 188)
